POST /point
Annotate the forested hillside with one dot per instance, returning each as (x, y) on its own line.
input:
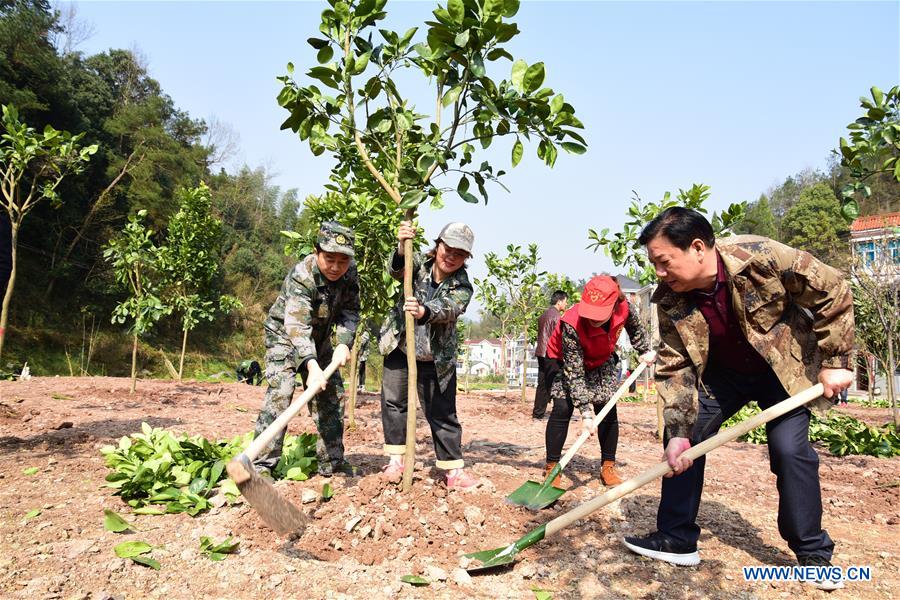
(148, 149)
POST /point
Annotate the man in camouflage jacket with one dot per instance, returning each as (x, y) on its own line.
(745, 318)
(320, 294)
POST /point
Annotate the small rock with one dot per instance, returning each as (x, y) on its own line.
(435, 573)
(64, 425)
(336, 544)
(187, 554)
(219, 500)
(527, 571)
(459, 527)
(474, 516)
(308, 496)
(365, 531)
(379, 531)
(461, 577)
(884, 554)
(352, 523)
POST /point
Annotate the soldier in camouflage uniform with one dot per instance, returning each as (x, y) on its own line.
(249, 372)
(583, 344)
(442, 293)
(744, 318)
(321, 293)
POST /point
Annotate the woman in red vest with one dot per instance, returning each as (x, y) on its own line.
(584, 343)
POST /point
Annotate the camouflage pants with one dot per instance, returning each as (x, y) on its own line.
(326, 408)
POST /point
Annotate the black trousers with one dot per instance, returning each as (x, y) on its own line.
(361, 377)
(547, 369)
(439, 407)
(558, 425)
(791, 458)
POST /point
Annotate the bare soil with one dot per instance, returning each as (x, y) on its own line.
(369, 535)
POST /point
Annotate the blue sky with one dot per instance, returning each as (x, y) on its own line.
(736, 95)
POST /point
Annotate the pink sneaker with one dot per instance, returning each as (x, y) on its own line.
(393, 472)
(461, 481)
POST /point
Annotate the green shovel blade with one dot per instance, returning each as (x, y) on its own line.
(500, 557)
(534, 495)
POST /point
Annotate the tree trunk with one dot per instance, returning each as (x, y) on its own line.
(134, 364)
(504, 363)
(412, 398)
(524, 361)
(892, 367)
(354, 375)
(468, 366)
(181, 360)
(4, 313)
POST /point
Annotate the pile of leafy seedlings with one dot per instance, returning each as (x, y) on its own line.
(842, 434)
(156, 472)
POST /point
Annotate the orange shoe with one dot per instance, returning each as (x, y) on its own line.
(608, 473)
(557, 481)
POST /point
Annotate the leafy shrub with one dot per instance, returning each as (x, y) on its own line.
(842, 434)
(155, 467)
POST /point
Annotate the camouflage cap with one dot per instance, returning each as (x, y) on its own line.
(334, 237)
(458, 235)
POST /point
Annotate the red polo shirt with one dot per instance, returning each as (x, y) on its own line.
(728, 346)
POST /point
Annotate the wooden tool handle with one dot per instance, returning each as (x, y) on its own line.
(595, 422)
(281, 422)
(695, 452)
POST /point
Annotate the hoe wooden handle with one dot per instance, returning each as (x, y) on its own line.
(695, 452)
(595, 422)
(281, 422)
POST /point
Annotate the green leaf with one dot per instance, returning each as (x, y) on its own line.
(146, 561)
(540, 594)
(517, 151)
(451, 95)
(317, 43)
(32, 513)
(877, 96)
(114, 522)
(30, 470)
(412, 199)
(415, 580)
(573, 148)
(518, 73)
(130, 549)
(533, 78)
(361, 63)
(462, 39)
(456, 10)
(324, 55)
(327, 492)
(149, 510)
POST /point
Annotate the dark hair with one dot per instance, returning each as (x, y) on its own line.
(679, 225)
(557, 296)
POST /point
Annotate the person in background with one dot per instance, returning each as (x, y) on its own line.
(584, 343)
(249, 372)
(547, 367)
(441, 293)
(319, 297)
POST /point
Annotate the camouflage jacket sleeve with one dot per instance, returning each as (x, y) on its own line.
(299, 289)
(395, 264)
(447, 308)
(637, 333)
(348, 318)
(676, 380)
(824, 291)
(572, 371)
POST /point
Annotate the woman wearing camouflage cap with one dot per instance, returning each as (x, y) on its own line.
(441, 293)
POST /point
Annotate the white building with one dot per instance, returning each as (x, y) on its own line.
(484, 357)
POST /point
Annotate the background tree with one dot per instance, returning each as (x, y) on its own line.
(374, 220)
(563, 283)
(623, 246)
(34, 164)
(389, 147)
(876, 308)
(815, 224)
(136, 260)
(759, 220)
(512, 288)
(189, 263)
(873, 148)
